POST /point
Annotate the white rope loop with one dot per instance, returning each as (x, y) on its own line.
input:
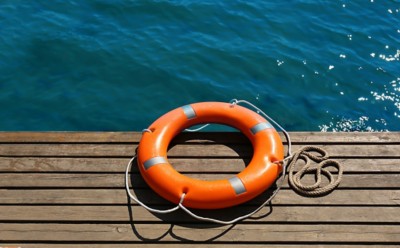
(287, 162)
(158, 211)
(181, 206)
(287, 136)
(197, 129)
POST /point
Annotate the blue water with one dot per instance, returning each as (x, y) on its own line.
(118, 65)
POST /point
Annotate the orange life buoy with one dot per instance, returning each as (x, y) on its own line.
(259, 175)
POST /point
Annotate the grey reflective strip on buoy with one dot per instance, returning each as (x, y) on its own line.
(153, 161)
(189, 111)
(237, 185)
(260, 126)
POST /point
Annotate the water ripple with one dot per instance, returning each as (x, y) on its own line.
(118, 65)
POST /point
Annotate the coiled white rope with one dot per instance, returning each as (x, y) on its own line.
(312, 191)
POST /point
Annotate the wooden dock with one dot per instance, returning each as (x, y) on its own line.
(67, 189)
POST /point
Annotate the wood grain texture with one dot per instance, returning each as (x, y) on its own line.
(163, 232)
(186, 150)
(63, 189)
(235, 137)
(280, 214)
(148, 244)
(113, 165)
(357, 197)
(105, 180)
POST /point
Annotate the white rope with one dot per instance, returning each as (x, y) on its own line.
(229, 222)
(159, 211)
(304, 153)
(279, 186)
(286, 162)
(287, 136)
(197, 129)
(180, 205)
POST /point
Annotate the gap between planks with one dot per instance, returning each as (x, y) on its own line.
(233, 234)
(285, 197)
(132, 137)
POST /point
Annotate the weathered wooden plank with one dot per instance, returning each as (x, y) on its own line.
(192, 245)
(344, 137)
(104, 180)
(134, 137)
(108, 137)
(370, 199)
(190, 150)
(34, 164)
(118, 196)
(299, 233)
(291, 214)
(67, 150)
(70, 137)
(45, 164)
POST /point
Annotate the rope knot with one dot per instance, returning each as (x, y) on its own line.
(321, 158)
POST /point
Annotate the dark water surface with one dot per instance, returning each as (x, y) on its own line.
(118, 65)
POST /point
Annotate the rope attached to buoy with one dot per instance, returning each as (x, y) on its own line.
(307, 154)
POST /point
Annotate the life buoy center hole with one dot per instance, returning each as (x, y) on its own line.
(210, 155)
